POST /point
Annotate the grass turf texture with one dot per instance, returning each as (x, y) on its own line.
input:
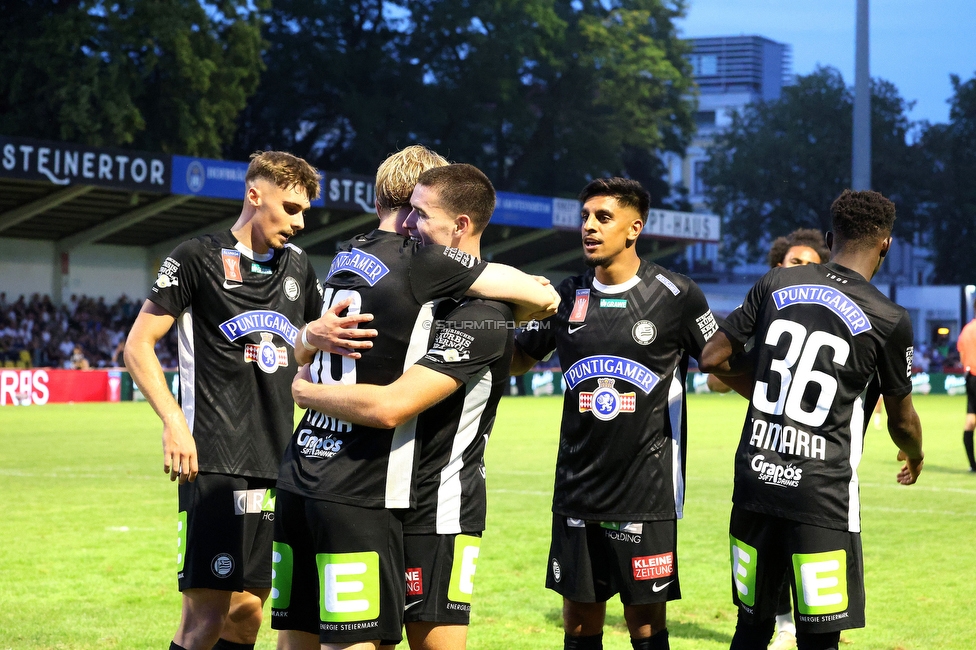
(90, 530)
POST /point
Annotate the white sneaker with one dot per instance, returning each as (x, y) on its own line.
(783, 641)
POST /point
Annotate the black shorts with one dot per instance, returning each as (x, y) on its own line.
(338, 571)
(440, 577)
(591, 561)
(970, 393)
(226, 525)
(824, 567)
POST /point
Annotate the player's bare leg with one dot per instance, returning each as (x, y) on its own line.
(362, 645)
(297, 640)
(583, 624)
(202, 620)
(244, 617)
(648, 625)
(967, 440)
(436, 636)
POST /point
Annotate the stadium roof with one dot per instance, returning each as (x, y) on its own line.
(74, 195)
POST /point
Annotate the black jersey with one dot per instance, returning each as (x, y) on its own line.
(824, 336)
(397, 280)
(624, 354)
(237, 315)
(473, 344)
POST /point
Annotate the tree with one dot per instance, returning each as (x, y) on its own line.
(781, 163)
(168, 76)
(950, 206)
(540, 94)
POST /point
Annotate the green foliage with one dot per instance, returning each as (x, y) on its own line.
(154, 75)
(782, 163)
(90, 523)
(950, 151)
(540, 94)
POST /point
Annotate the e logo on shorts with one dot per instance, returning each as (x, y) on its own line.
(822, 582)
(282, 568)
(181, 541)
(744, 571)
(350, 586)
(466, 550)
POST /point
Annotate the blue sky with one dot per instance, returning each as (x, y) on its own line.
(916, 44)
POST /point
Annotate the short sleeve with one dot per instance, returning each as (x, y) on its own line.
(177, 278)
(698, 321)
(895, 361)
(470, 338)
(439, 272)
(314, 303)
(539, 337)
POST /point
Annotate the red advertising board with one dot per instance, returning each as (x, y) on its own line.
(48, 386)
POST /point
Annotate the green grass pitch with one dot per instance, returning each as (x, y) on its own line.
(90, 533)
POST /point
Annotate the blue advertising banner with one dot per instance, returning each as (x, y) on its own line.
(216, 179)
(522, 210)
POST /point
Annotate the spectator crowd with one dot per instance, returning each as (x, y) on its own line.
(82, 333)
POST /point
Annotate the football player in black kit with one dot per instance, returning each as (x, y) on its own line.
(238, 297)
(465, 373)
(827, 342)
(338, 552)
(624, 332)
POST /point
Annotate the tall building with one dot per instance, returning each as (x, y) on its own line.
(730, 72)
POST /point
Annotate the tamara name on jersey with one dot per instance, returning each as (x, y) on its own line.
(826, 339)
(397, 280)
(237, 315)
(624, 353)
(473, 343)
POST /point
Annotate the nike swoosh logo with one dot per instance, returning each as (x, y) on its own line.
(232, 286)
(656, 587)
(573, 330)
(409, 605)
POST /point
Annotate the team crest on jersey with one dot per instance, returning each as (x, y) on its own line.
(268, 357)
(836, 301)
(605, 402)
(368, 267)
(232, 266)
(644, 332)
(292, 288)
(578, 315)
(167, 275)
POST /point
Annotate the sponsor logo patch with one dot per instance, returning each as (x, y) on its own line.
(601, 365)
(260, 269)
(316, 446)
(253, 502)
(652, 567)
(605, 402)
(578, 315)
(666, 282)
(836, 301)
(268, 357)
(415, 582)
(774, 474)
(910, 358)
(613, 303)
(167, 275)
(259, 320)
(368, 267)
(707, 325)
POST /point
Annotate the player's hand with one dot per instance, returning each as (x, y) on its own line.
(909, 473)
(550, 309)
(340, 334)
(179, 450)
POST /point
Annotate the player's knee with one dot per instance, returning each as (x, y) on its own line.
(245, 617)
(646, 620)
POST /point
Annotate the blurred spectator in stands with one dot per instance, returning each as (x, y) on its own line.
(78, 360)
(118, 355)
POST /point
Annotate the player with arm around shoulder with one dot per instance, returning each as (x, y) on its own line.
(624, 333)
(826, 342)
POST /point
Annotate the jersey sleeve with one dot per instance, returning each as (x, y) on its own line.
(439, 272)
(539, 337)
(470, 338)
(313, 289)
(177, 278)
(699, 322)
(741, 323)
(895, 361)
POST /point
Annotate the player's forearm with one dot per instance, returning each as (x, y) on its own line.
(907, 434)
(303, 354)
(143, 365)
(521, 362)
(363, 404)
(508, 284)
